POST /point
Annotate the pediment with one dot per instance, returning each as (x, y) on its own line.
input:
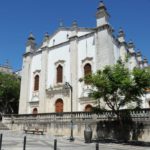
(59, 36)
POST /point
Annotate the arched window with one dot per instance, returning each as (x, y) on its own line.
(88, 108)
(36, 83)
(59, 74)
(59, 105)
(87, 70)
(35, 111)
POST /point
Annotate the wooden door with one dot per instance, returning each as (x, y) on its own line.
(35, 111)
(59, 105)
(88, 108)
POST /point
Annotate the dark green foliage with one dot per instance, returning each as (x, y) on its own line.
(117, 86)
(9, 93)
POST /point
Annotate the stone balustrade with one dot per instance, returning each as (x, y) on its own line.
(136, 115)
(60, 123)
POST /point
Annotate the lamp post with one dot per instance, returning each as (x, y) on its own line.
(67, 85)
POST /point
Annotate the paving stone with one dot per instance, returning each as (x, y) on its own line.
(13, 140)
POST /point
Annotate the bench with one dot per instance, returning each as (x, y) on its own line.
(34, 130)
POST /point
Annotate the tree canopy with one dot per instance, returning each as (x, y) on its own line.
(116, 86)
(9, 93)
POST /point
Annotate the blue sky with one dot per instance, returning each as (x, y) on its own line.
(20, 17)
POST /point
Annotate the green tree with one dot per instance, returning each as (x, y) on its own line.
(117, 86)
(9, 93)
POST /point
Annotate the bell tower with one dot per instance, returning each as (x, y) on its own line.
(104, 38)
(102, 16)
(25, 78)
(30, 45)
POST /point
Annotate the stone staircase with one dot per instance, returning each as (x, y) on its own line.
(3, 127)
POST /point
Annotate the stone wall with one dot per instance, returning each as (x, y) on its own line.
(134, 126)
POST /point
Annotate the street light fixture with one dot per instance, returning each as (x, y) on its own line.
(67, 85)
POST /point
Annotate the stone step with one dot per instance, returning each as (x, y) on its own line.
(3, 127)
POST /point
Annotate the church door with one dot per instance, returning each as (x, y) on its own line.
(35, 111)
(59, 105)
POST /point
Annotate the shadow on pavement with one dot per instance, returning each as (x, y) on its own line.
(134, 143)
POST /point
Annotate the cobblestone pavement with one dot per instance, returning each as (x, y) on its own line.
(14, 141)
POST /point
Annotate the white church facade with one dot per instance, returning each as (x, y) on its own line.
(67, 56)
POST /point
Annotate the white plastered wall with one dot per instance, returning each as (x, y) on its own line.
(86, 49)
(61, 53)
(116, 53)
(35, 65)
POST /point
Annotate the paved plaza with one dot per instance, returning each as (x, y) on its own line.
(13, 140)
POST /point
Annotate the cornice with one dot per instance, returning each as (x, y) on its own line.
(36, 71)
(103, 27)
(27, 54)
(59, 62)
(87, 59)
(123, 44)
(73, 38)
(132, 53)
(58, 89)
